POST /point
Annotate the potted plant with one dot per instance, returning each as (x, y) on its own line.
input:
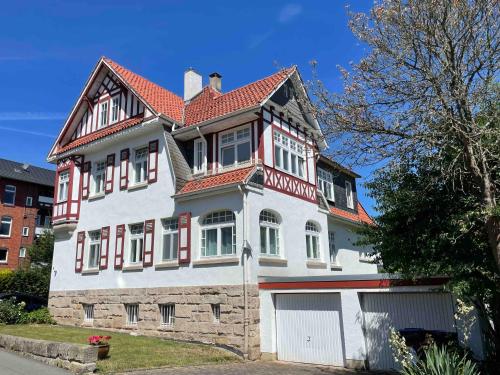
(102, 343)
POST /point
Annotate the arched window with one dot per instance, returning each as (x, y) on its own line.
(218, 234)
(312, 240)
(269, 233)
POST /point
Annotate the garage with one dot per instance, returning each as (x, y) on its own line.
(308, 328)
(381, 311)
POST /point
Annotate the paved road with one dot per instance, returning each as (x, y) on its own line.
(13, 364)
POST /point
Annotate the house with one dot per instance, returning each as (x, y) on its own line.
(26, 197)
(214, 217)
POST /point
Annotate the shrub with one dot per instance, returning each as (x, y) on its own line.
(34, 281)
(40, 316)
(5, 277)
(11, 312)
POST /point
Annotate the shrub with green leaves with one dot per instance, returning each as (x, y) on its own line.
(11, 312)
(40, 316)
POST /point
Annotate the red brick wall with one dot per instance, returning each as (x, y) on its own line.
(22, 216)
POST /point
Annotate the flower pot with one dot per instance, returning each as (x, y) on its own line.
(102, 351)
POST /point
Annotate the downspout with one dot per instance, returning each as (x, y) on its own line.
(245, 253)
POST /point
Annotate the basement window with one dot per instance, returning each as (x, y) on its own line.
(132, 311)
(216, 312)
(88, 311)
(167, 313)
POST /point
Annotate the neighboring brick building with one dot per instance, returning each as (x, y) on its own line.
(26, 198)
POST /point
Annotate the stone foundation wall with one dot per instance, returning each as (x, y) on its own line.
(193, 312)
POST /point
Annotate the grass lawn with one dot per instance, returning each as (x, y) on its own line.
(128, 352)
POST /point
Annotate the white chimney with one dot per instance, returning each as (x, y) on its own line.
(192, 84)
(216, 81)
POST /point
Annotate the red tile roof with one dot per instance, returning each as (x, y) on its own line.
(222, 179)
(104, 132)
(210, 104)
(160, 99)
(361, 217)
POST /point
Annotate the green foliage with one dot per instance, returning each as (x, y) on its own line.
(42, 250)
(441, 361)
(34, 281)
(11, 312)
(40, 316)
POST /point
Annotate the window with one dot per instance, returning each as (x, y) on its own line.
(167, 314)
(269, 233)
(29, 201)
(170, 239)
(22, 252)
(348, 192)
(62, 195)
(218, 234)
(140, 165)
(331, 247)
(288, 155)
(136, 243)
(88, 313)
(115, 108)
(46, 221)
(235, 147)
(3, 255)
(99, 177)
(132, 311)
(9, 196)
(94, 249)
(216, 312)
(26, 231)
(199, 156)
(5, 226)
(325, 184)
(104, 114)
(312, 240)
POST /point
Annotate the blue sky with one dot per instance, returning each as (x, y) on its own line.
(48, 49)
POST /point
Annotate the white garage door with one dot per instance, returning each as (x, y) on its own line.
(430, 311)
(309, 329)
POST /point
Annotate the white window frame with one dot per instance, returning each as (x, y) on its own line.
(235, 142)
(167, 314)
(170, 236)
(11, 189)
(332, 249)
(132, 314)
(143, 167)
(269, 221)
(25, 232)
(63, 186)
(216, 312)
(138, 238)
(313, 232)
(289, 155)
(2, 261)
(4, 220)
(99, 172)
(94, 245)
(88, 312)
(218, 220)
(29, 201)
(325, 184)
(349, 195)
(199, 156)
(22, 252)
(103, 114)
(115, 108)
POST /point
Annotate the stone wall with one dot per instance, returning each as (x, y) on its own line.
(193, 312)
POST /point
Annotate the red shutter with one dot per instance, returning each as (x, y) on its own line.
(153, 161)
(110, 173)
(119, 245)
(80, 244)
(185, 238)
(149, 242)
(104, 248)
(124, 154)
(85, 180)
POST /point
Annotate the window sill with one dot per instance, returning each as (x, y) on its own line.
(273, 261)
(335, 267)
(221, 260)
(9, 205)
(133, 267)
(137, 186)
(3, 262)
(315, 264)
(96, 196)
(167, 264)
(364, 260)
(90, 271)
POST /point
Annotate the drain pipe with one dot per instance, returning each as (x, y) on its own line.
(245, 255)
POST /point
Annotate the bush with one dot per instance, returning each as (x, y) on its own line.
(34, 281)
(40, 316)
(5, 277)
(11, 312)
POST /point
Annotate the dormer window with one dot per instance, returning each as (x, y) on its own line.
(199, 156)
(349, 196)
(115, 108)
(235, 147)
(325, 184)
(104, 114)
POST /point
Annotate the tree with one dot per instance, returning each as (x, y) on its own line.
(427, 87)
(42, 250)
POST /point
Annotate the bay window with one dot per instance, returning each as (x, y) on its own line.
(312, 240)
(269, 233)
(288, 155)
(218, 234)
(136, 248)
(62, 193)
(170, 239)
(235, 147)
(99, 177)
(9, 195)
(140, 165)
(325, 184)
(94, 252)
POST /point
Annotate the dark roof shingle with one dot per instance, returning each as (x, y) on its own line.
(27, 173)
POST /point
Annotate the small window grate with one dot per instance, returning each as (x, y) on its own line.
(88, 313)
(132, 314)
(167, 313)
(216, 312)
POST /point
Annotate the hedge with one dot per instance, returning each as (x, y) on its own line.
(34, 281)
